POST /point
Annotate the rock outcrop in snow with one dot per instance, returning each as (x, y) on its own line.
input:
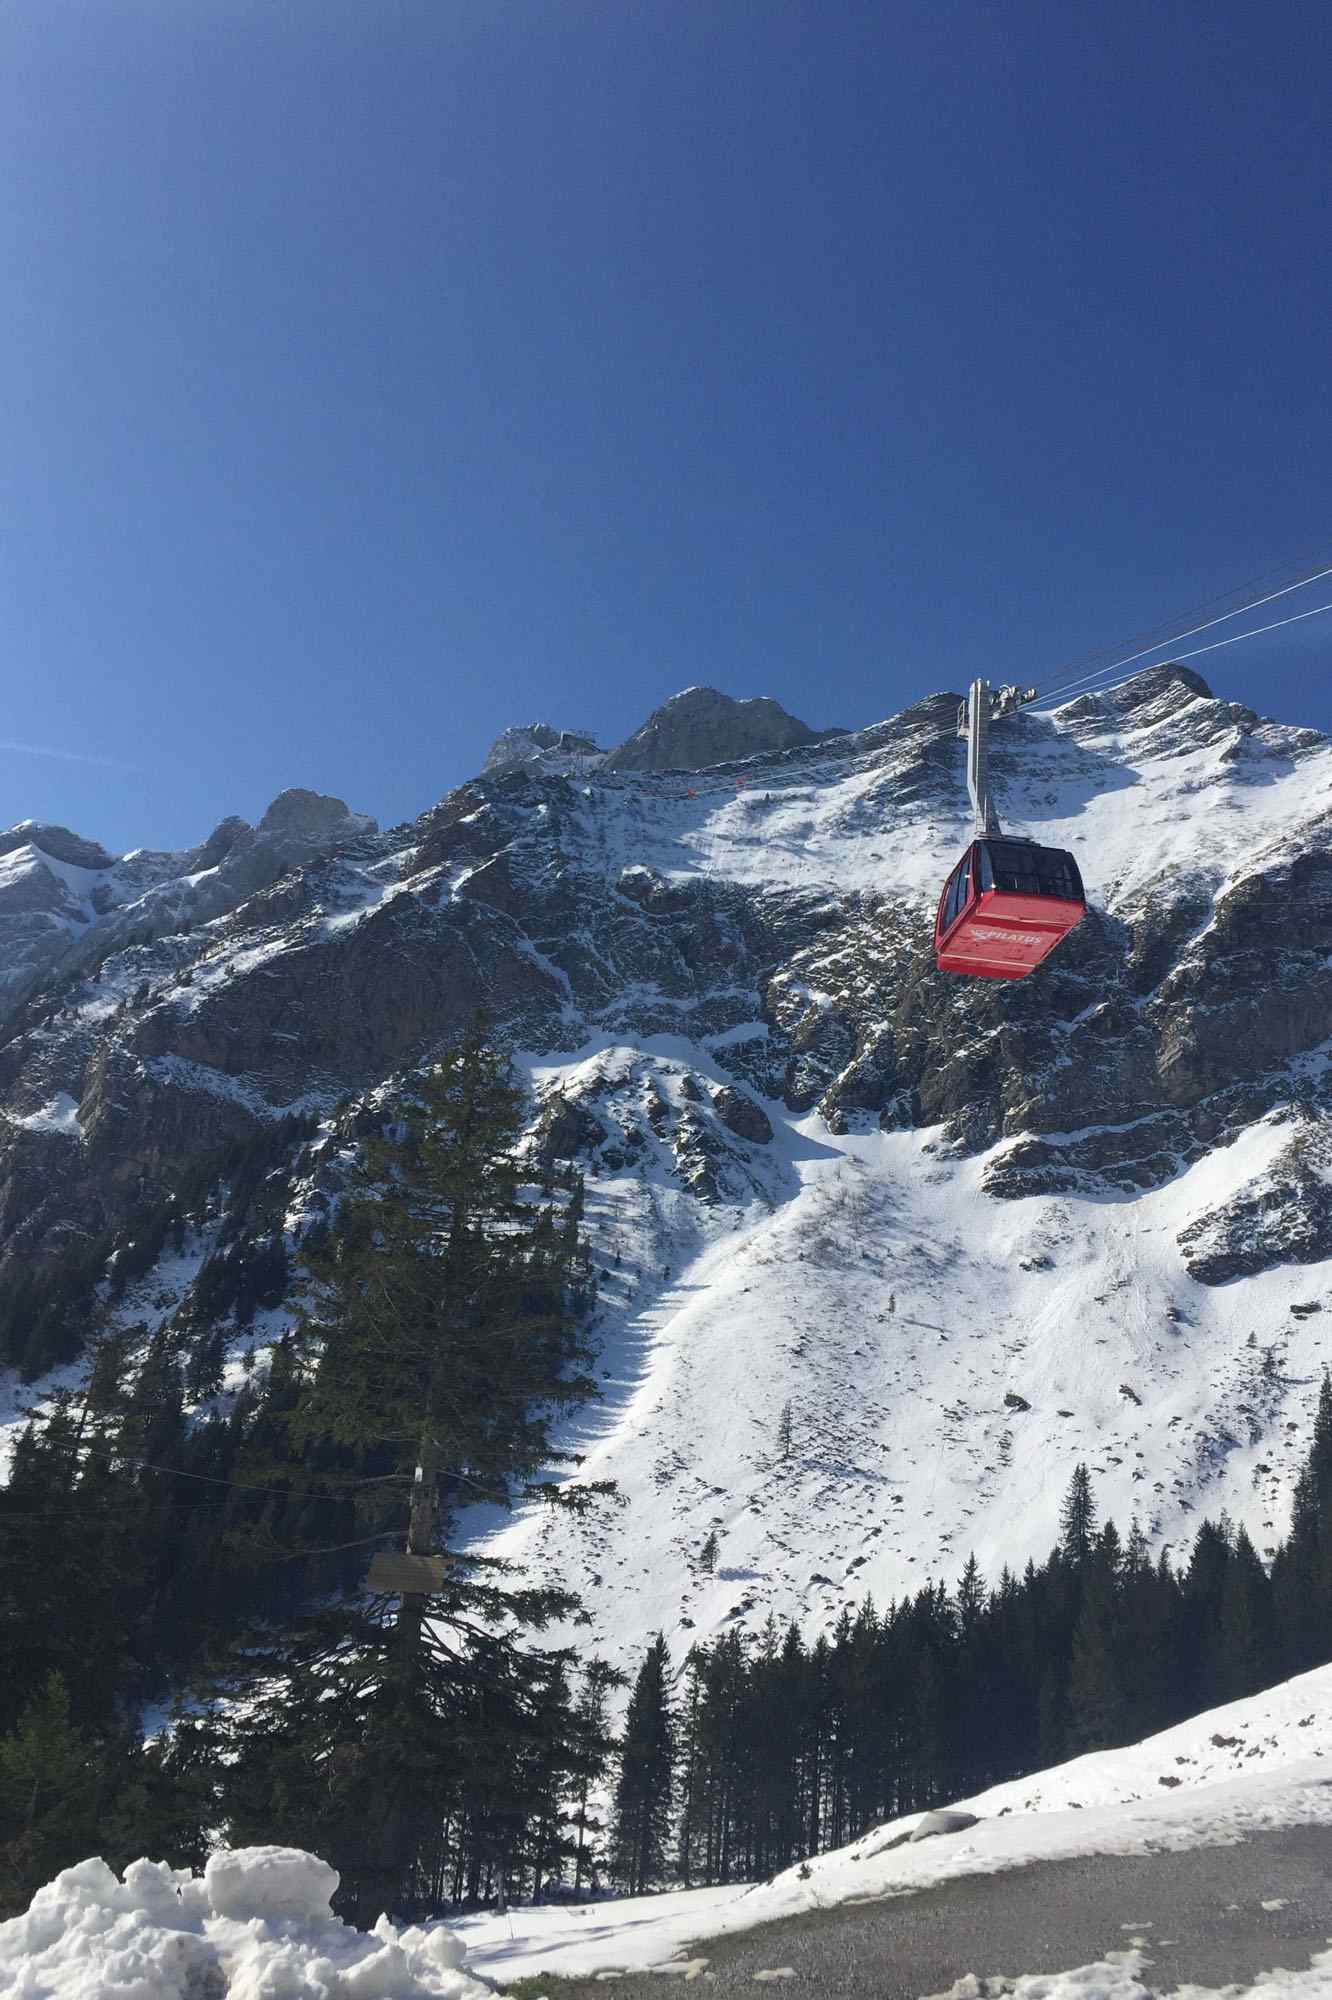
(65, 902)
(57, 842)
(539, 743)
(702, 726)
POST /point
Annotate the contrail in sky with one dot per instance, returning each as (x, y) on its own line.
(68, 756)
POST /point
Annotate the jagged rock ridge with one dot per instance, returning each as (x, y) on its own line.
(539, 742)
(952, 1224)
(64, 901)
(701, 726)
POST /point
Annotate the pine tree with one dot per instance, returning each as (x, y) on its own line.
(707, 1555)
(644, 1792)
(1203, 1593)
(784, 1426)
(436, 1350)
(592, 1759)
(1320, 1452)
(690, 1854)
(1077, 1518)
(67, 1791)
(48, 1792)
(1243, 1658)
(1096, 1707)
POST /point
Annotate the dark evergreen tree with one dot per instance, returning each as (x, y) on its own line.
(691, 1823)
(440, 1343)
(1097, 1712)
(1243, 1660)
(644, 1790)
(592, 1754)
(1077, 1519)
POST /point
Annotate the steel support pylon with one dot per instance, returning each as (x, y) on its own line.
(977, 731)
(982, 706)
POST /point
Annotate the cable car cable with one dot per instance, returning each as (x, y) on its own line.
(1113, 666)
(1303, 575)
(1234, 640)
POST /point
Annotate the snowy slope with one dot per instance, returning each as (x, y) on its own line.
(875, 1287)
(795, 1134)
(1128, 787)
(1262, 1762)
(867, 1277)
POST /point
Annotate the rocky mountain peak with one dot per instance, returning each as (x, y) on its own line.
(219, 843)
(527, 742)
(702, 726)
(312, 816)
(56, 841)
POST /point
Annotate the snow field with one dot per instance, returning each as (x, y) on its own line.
(870, 1282)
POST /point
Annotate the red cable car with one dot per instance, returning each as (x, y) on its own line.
(1005, 907)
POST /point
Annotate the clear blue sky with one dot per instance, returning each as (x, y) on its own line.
(380, 372)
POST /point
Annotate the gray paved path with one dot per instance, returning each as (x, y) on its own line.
(1202, 1911)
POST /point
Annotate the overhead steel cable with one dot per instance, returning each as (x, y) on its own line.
(1047, 695)
(1289, 576)
(1233, 640)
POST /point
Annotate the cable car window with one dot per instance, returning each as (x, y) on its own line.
(1034, 871)
(953, 900)
(986, 870)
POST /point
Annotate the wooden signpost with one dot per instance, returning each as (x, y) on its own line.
(407, 1576)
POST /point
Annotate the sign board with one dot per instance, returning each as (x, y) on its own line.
(406, 1576)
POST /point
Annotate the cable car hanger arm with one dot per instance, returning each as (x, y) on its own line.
(982, 706)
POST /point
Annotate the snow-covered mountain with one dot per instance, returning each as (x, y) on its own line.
(539, 743)
(702, 726)
(968, 1233)
(65, 901)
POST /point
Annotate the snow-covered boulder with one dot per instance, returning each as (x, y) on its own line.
(282, 1882)
(932, 1823)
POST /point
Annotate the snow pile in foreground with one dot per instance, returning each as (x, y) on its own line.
(256, 1927)
(1265, 1761)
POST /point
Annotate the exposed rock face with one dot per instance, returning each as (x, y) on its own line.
(219, 843)
(1282, 1215)
(807, 1154)
(312, 816)
(65, 902)
(297, 961)
(58, 842)
(566, 1130)
(739, 1114)
(538, 742)
(702, 726)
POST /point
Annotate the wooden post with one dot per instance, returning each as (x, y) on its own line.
(420, 1570)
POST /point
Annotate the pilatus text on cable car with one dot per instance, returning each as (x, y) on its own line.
(1008, 902)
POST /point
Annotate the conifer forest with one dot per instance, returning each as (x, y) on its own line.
(429, 1740)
